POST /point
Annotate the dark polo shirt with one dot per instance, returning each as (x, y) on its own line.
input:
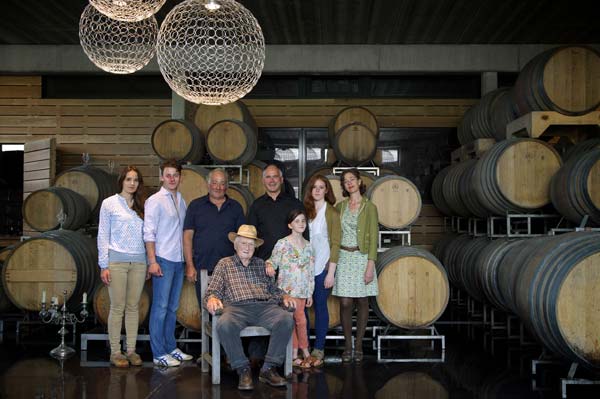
(211, 226)
(270, 218)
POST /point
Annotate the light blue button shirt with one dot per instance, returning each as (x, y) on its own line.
(163, 224)
(119, 230)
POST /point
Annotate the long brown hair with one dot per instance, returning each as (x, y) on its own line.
(309, 202)
(139, 197)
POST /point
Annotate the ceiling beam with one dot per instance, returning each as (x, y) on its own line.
(306, 59)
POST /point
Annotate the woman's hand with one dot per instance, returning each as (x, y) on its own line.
(370, 272)
(329, 280)
(309, 302)
(105, 276)
(269, 269)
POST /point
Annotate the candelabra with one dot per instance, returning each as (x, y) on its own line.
(57, 314)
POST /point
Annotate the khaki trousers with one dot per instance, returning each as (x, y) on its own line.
(125, 289)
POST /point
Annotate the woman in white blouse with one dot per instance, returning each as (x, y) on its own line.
(122, 260)
(325, 237)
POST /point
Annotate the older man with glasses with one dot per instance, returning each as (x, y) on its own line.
(246, 296)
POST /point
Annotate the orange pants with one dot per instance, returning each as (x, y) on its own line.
(299, 335)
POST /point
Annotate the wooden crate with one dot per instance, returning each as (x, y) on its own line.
(473, 150)
(536, 124)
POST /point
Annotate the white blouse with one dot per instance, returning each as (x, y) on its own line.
(319, 240)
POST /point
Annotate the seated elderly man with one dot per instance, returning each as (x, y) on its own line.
(241, 289)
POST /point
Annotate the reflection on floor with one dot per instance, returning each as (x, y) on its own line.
(26, 371)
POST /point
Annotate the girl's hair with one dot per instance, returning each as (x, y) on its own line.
(356, 174)
(294, 214)
(139, 197)
(309, 202)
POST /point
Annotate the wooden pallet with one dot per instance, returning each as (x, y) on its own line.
(473, 150)
(537, 123)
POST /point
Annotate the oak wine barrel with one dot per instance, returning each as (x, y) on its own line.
(232, 142)
(354, 144)
(397, 199)
(255, 183)
(413, 288)
(563, 79)
(242, 195)
(42, 207)
(351, 115)
(437, 194)
(333, 309)
(54, 261)
(189, 313)
(101, 301)
(575, 189)
(92, 183)
(178, 139)
(556, 294)
(207, 115)
(5, 303)
(514, 176)
(465, 270)
(194, 182)
(448, 256)
(412, 385)
(451, 189)
(487, 265)
(581, 148)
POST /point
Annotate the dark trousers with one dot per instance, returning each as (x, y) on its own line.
(263, 314)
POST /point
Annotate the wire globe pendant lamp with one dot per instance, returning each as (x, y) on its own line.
(117, 46)
(211, 51)
(128, 10)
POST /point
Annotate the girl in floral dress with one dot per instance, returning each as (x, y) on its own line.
(293, 256)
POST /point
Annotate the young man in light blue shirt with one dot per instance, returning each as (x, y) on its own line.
(163, 229)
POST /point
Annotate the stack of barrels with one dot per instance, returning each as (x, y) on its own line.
(227, 133)
(513, 176)
(562, 79)
(549, 282)
(63, 259)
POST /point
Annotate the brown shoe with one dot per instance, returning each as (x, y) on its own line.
(119, 360)
(245, 382)
(271, 377)
(134, 359)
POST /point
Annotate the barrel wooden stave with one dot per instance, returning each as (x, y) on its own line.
(91, 182)
(397, 199)
(562, 79)
(42, 207)
(207, 115)
(242, 195)
(178, 139)
(355, 144)
(255, 182)
(514, 176)
(232, 142)
(194, 182)
(575, 189)
(189, 313)
(437, 194)
(52, 262)
(413, 288)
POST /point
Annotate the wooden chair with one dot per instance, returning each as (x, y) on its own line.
(211, 354)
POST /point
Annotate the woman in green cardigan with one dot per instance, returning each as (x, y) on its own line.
(355, 278)
(325, 235)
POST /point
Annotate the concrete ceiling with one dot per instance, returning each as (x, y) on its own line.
(337, 22)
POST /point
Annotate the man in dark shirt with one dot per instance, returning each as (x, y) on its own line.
(241, 289)
(207, 222)
(269, 212)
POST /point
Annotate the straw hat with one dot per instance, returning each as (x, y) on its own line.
(246, 231)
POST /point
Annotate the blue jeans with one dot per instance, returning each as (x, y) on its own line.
(320, 295)
(165, 301)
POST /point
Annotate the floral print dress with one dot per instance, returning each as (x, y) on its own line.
(296, 268)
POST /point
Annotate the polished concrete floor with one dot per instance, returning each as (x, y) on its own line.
(26, 371)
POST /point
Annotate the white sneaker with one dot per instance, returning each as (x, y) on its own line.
(179, 355)
(166, 361)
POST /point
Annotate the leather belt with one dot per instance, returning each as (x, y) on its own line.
(349, 249)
